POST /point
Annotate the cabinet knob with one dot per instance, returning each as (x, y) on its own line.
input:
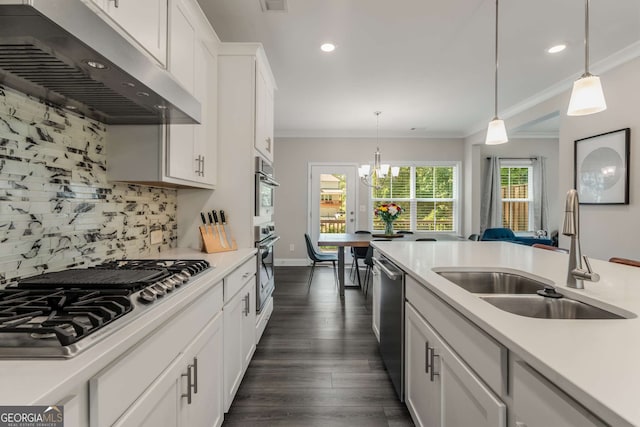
(116, 3)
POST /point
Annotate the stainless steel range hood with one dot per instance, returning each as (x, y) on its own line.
(45, 47)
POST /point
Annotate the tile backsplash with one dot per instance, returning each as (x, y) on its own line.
(57, 209)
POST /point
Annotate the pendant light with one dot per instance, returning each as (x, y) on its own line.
(587, 96)
(496, 132)
(380, 171)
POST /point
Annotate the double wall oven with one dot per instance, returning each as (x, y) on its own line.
(265, 234)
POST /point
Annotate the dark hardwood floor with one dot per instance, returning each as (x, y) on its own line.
(318, 362)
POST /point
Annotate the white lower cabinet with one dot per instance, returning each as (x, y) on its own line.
(172, 378)
(441, 390)
(239, 327)
(188, 392)
(538, 403)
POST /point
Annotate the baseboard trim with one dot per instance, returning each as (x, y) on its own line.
(292, 262)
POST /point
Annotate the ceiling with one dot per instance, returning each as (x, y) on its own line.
(427, 65)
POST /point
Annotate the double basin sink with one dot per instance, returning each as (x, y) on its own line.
(519, 295)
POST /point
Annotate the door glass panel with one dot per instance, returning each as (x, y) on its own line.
(333, 199)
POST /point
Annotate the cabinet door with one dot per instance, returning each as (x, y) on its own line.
(441, 389)
(182, 45)
(207, 400)
(161, 405)
(206, 136)
(233, 352)
(249, 322)
(263, 113)
(539, 403)
(422, 395)
(145, 21)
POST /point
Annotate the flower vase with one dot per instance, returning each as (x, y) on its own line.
(388, 228)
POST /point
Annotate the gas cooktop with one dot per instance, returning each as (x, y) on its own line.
(56, 314)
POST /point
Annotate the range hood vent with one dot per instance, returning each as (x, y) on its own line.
(45, 51)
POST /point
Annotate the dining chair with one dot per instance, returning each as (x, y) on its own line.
(357, 253)
(318, 257)
(625, 261)
(549, 248)
(368, 261)
(474, 237)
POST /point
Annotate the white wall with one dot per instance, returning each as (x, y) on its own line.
(293, 156)
(608, 230)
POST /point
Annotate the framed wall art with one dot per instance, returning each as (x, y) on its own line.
(602, 168)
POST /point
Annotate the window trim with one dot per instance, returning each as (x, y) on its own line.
(412, 200)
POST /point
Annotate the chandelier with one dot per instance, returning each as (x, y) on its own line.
(374, 177)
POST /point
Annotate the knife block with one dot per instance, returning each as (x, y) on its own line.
(212, 241)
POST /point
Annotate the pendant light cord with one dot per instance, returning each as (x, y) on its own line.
(586, 39)
(495, 86)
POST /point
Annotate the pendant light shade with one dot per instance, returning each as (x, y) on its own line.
(496, 132)
(587, 96)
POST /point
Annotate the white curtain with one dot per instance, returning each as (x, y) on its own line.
(491, 206)
(540, 199)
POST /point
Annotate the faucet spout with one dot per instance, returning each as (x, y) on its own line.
(576, 274)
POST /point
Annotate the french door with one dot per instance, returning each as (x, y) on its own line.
(332, 199)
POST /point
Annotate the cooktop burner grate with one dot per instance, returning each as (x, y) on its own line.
(62, 316)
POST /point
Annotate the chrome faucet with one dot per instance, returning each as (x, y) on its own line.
(576, 275)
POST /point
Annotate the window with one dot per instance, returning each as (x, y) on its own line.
(517, 196)
(428, 193)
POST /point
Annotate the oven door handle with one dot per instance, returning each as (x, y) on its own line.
(268, 243)
(267, 180)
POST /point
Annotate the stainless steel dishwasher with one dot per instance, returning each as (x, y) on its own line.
(392, 321)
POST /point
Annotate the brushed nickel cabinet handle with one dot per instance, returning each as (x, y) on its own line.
(433, 367)
(189, 376)
(195, 375)
(426, 357)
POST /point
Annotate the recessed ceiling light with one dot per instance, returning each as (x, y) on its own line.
(328, 47)
(141, 93)
(161, 107)
(557, 48)
(95, 64)
(71, 107)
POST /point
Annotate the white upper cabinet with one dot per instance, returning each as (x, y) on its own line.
(144, 21)
(264, 112)
(176, 155)
(192, 149)
(182, 45)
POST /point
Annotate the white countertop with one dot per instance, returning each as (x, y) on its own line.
(595, 361)
(28, 382)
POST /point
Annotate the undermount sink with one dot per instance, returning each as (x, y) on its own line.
(493, 282)
(548, 308)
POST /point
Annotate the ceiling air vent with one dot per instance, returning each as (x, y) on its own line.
(273, 5)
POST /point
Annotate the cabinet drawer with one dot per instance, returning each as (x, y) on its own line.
(113, 389)
(481, 352)
(236, 280)
(539, 403)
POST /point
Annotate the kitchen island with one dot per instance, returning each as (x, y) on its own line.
(594, 362)
(192, 312)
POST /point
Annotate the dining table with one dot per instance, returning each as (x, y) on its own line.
(342, 240)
